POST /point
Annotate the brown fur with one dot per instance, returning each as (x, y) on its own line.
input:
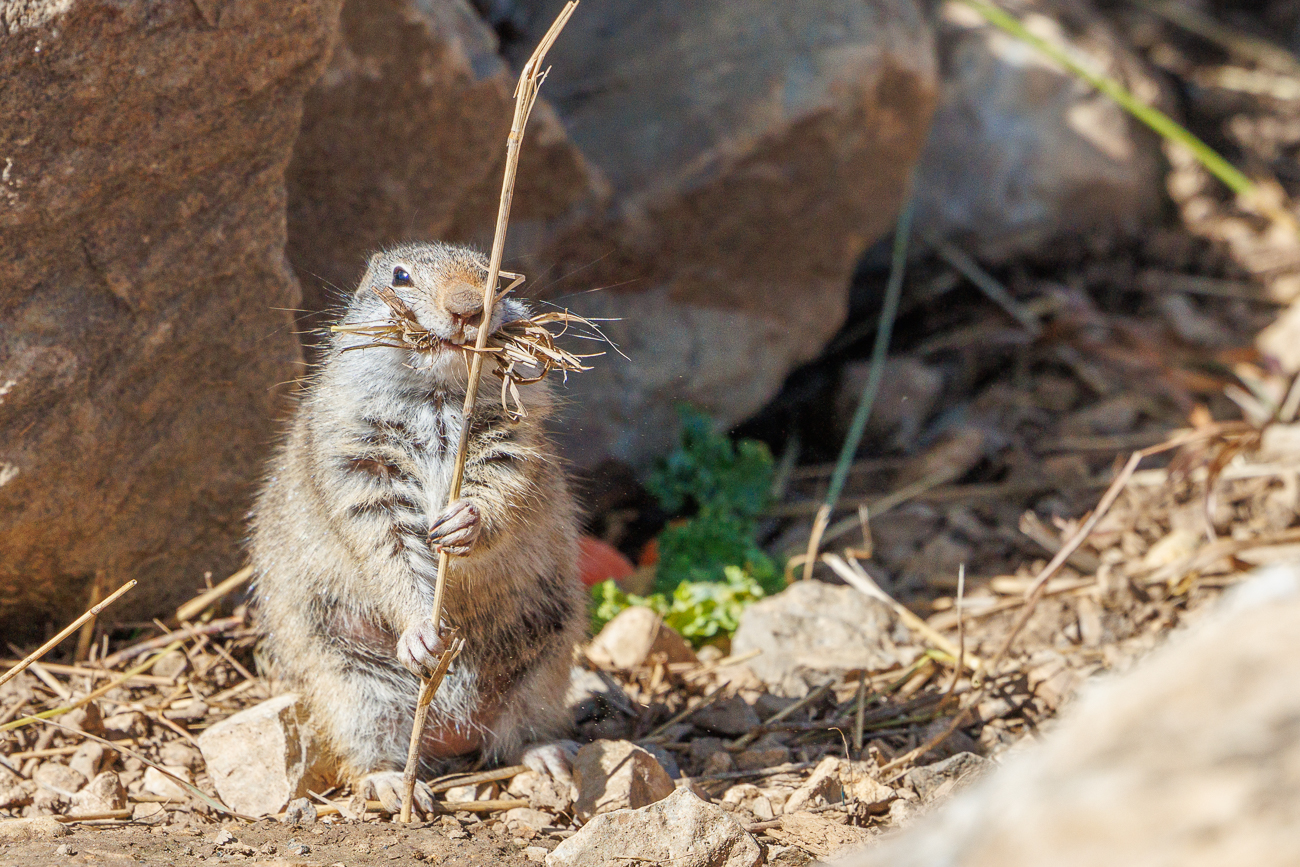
(339, 538)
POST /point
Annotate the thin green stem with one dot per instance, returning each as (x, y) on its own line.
(1157, 120)
(884, 331)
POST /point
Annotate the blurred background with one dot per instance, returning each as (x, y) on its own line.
(188, 190)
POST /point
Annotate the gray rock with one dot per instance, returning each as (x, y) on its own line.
(1189, 758)
(101, 795)
(812, 631)
(732, 716)
(262, 758)
(58, 778)
(754, 151)
(943, 778)
(616, 775)
(1022, 153)
(144, 287)
(681, 830)
(88, 760)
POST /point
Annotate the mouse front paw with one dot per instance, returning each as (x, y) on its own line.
(456, 529)
(420, 646)
(554, 759)
(386, 788)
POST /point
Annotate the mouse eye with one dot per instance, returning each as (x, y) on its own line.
(401, 278)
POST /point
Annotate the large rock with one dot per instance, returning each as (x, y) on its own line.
(1192, 758)
(1022, 153)
(142, 286)
(680, 830)
(812, 632)
(404, 137)
(262, 758)
(754, 151)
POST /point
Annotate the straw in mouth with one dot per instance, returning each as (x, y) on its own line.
(518, 345)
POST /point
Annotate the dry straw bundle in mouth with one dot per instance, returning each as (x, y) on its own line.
(525, 350)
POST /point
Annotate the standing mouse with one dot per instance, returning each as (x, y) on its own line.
(348, 525)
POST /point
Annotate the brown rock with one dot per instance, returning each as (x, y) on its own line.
(681, 830)
(633, 636)
(616, 775)
(822, 787)
(262, 758)
(404, 137)
(143, 287)
(945, 777)
(1191, 758)
(754, 151)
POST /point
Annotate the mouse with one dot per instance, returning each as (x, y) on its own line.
(346, 531)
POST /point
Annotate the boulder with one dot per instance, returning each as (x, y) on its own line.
(262, 758)
(811, 632)
(404, 138)
(1022, 153)
(1189, 758)
(143, 288)
(616, 775)
(754, 151)
(681, 830)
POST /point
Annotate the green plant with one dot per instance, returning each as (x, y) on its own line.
(701, 611)
(727, 483)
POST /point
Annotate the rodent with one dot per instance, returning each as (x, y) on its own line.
(346, 529)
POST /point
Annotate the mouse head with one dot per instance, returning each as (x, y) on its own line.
(441, 285)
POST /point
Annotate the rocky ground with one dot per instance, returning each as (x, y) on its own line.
(844, 706)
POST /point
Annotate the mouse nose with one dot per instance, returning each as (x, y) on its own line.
(464, 302)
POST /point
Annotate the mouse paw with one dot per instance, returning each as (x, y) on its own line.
(456, 529)
(555, 759)
(420, 646)
(386, 788)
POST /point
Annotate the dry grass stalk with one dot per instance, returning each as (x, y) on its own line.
(67, 630)
(530, 80)
(200, 603)
(524, 350)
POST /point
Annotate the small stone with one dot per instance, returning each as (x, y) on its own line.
(749, 797)
(169, 664)
(768, 757)
(224, 838)
(301, 811)
(526, 822)
(87, 718)
(157, 783)
(536, 853)
(57, 778)
(262, 758)
(103, 794)
(64, 849)
(819, 835)
(543, 792)
(947, 776)
(665, 758)
(681, 830)
(822, 787)
(131, 724)
(732, 717)
(616, 775)
(149, 814)
(294, 847)
(633, 636)
(35, 828)
(720, 762)
(180, 754)
(88, 760)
